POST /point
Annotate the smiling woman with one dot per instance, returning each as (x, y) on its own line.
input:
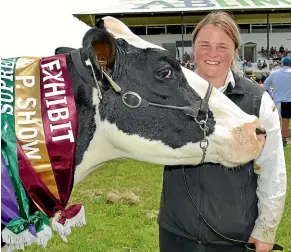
(215, 48)
(222, 215)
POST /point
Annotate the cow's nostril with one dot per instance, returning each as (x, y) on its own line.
(260, 131)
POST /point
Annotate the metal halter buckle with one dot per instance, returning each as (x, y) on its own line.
(204, 143)
(131, 99)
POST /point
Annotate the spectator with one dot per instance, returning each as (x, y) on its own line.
(271, 65)
(260, 65)
(259, 81)
(186, 57)
(249, 74)
(263, 77)
(244, 64)
(280, 80)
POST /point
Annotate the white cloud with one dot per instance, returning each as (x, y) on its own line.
(37, 27)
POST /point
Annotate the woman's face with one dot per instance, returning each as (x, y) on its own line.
(214, 51)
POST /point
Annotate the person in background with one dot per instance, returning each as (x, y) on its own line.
(280, 80)
(281, 49)
(244, 65)
(249, 74)
(259, 81)
(207, 207)
(260, 65)
(263, 76)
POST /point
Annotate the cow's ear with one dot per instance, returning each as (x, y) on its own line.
(101, 43)
(100, 24)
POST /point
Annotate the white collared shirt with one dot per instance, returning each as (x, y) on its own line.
(271, 170)
(229, 79)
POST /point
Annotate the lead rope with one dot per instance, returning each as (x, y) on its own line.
(204, 143)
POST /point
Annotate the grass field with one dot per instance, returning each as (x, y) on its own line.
(128, 227)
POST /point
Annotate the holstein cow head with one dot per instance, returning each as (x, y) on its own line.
(110, 127)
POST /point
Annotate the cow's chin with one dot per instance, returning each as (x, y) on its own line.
(240, 149)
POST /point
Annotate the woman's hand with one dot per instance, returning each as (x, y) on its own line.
(261, 246)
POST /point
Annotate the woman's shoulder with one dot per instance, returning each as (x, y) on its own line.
(248, 86)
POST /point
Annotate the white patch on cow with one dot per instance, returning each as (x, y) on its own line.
(109, 143)
(227, 112)
(99, 149)
(154, 151)
(119, 30)
(228, 116)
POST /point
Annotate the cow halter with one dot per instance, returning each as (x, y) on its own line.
(133, 100)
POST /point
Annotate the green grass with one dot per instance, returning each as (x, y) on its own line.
(122, 227)
(284, 231)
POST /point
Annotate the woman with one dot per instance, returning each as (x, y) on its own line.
(243, 204)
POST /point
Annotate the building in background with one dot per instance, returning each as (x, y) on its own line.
(264, 24)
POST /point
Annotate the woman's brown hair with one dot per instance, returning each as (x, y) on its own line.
(224, 20)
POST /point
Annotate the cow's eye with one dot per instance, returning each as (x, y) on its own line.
(165, 73)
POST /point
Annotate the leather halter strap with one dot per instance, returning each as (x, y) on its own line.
(132, 99)
(81, 69)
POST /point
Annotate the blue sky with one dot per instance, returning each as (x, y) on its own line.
(37, 27)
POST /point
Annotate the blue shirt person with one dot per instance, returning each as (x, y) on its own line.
(280, 80)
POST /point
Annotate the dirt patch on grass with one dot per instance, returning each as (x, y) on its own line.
(127, 197)
(113, 196)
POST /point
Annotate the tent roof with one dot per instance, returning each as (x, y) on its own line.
(150, 12)
(169, 6)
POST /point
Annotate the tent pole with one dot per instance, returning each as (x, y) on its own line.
(182, 29)
(268, 37)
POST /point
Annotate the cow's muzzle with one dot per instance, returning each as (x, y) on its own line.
(260, 130)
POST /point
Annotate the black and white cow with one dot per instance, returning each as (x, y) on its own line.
(110, 130)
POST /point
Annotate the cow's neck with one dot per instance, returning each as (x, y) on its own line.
(92, 147)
